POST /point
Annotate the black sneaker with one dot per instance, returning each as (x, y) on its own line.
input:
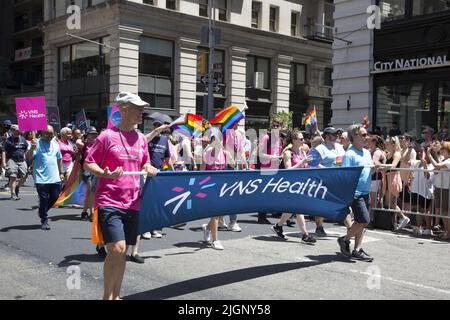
(45, 226)
(344, 245)
(101, 251)
(290, 223)
(137, 258)
(320, 232)
(278, 230)
(308, 239)
(361, 255)
(263, 220)
(84, 216)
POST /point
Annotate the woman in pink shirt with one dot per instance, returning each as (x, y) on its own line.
(68, 151)
(215, 157)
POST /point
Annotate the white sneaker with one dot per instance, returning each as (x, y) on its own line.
(233, 226)
(217, 245)
(404, 222)
(156, 234)
(427, 232)
(222, 225)
(146, 236)
(206, 233)
(417, 231)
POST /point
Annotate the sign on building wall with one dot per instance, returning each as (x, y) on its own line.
(403, 64)
(23, 54)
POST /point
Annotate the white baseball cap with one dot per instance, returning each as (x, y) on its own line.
(127, 97)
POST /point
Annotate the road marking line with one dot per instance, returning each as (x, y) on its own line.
(412, 284)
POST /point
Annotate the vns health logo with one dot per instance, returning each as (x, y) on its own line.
(185, 196)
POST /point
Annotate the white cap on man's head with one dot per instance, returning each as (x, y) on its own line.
(127, 97)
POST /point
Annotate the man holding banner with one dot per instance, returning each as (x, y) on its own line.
(117, 196)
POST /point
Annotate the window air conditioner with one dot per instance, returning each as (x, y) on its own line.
(259, 80)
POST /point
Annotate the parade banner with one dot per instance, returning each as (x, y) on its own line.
(53, 117)
(81, 121)
(176, 197)
(114, 116)
(31, 114)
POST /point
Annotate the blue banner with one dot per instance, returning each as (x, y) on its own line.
(176, 197)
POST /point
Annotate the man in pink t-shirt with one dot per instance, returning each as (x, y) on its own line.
(118, 150)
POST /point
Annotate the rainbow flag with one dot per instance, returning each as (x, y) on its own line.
(189, 125)
(311, 119)
(74, 191)
(366, 122)
(227, 118)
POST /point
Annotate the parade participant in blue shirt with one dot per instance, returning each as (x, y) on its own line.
(358, 156)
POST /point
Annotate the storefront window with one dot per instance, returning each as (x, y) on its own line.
(422, 7)
(156, 72)
(85, 60)
(444, 109)
(392, 9)
(409, 105)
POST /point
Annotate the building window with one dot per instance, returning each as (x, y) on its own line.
(171, 4)
(256, 13)
(273, 19)
(258, 72)
(151, 2)
(203, 8)
(222, 8)
(392, 9)
(328, 77)
(294, 24)
(421, 7)
(298, 75)
(84, 59)
(156, 72)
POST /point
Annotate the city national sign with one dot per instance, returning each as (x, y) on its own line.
(403, 64)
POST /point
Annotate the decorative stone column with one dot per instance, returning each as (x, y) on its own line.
(51, 74)
(186, 87)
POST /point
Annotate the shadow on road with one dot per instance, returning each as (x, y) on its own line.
(200, 245)
(23, 228)
(28, 209)
(222, 279)
(77, 259)
(272, 239)
(69, 217)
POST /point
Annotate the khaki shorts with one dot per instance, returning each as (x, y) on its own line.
(16, 169)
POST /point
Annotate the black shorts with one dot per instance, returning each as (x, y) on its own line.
(87, 177)
(361, 208)
(118, 224)
(421, 201)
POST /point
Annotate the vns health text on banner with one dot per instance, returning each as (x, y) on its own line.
(171, 198)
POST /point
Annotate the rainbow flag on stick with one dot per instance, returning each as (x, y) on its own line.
(227, 118)
(189, 125)
(75, 190)
(311, 119)
(366, 122)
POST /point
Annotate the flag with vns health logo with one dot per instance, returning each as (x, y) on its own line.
(171, 198)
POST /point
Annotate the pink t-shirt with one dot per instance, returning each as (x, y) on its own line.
(234, 141)
(126, 149)
(297, 158)
(215, 159)
(272, 148)
(67, 151)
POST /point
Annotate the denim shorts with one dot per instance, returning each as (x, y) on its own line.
(118, 225)
(361, 208)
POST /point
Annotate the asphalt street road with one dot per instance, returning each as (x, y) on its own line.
(37, 264)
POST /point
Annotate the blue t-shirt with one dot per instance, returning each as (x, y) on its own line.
(355, 158)
(15, 148)
(331, 157)
(46, 158)
(158, 149)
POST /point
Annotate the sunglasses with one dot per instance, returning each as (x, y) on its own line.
(301, 139)
(364, 135)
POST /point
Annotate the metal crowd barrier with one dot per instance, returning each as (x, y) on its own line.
(385, 200)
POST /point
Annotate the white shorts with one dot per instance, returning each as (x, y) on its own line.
(67, 167)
